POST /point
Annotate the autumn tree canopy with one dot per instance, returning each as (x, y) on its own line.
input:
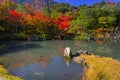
(63, 21)
(29, 19)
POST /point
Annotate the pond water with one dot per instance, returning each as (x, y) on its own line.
(42, 60)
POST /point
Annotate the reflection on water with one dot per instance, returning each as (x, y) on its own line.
(42, 61)
(67, 61)
(45, 69)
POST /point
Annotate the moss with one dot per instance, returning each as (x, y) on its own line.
(4, 74)
(3, 70)
(101, 68)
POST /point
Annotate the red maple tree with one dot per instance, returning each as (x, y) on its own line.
(63, 21)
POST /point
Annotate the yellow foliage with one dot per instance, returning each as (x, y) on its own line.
(98, 35)
(101, 68)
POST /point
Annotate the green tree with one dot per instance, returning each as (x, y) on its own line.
(107, 21)
(55, 14)
(102, 3)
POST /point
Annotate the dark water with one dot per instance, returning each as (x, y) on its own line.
(42, 61)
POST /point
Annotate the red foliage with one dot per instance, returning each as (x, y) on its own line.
(15, 14)
(6, 17)
(42, 17)
(63, 21)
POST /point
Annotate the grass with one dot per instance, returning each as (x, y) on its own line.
(4, 75)
(101, 68)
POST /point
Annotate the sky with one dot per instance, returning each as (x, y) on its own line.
(79, 2)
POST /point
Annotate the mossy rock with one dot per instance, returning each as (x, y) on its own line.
(101, 68)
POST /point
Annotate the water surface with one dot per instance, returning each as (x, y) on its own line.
(41, 60)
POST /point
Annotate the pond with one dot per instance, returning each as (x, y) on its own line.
(42, 60)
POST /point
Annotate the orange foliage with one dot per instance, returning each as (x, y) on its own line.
(28, 19)
(40, 16)
(99, 30)
(37, 19)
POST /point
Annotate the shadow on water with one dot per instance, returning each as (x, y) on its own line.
(14, 46)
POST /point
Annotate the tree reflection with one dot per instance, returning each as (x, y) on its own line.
(44, 60)
(23, 59)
